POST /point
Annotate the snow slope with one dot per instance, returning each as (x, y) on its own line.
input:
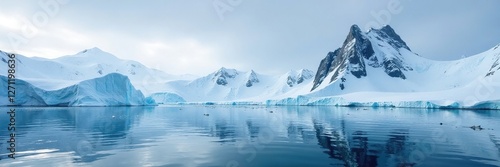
(373, 68)
(233, 85)
(52, 74)
(110, 90)
(378, 67)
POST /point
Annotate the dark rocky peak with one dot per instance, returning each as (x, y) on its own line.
(392, 37)
(357, 43)
(350, 57)
(303, 75)
(220, 77)
(357, 53)
(354, 33)
(230, 73)
(298, 77)
(252, 79)
(356, 47)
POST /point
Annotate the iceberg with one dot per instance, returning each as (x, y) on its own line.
(167, 98)
(110, 90)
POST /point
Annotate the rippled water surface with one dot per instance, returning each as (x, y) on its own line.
(251, 136)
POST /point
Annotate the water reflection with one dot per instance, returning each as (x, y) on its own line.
(336, 143)
(82, 131)
(251, 136)
(224, 132)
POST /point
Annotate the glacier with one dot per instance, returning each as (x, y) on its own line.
(110, 90)
(341, 102)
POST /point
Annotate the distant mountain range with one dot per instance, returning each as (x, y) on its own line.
(373, 68)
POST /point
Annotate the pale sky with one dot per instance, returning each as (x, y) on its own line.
(268, 36)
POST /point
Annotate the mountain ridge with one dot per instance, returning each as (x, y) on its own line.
(357, 52)
(393, 67)
(370, 66)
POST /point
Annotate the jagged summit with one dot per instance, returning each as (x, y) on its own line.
(251, 79)
(228, 72)
(298, 77)
(387, 32)
(377, 48)
(220, 76)
(372, 68)
(354, 31)
(224, 76)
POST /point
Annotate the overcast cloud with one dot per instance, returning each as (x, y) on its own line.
(269, 36)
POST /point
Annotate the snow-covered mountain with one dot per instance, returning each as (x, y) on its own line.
(222, 85)
(377, 51)
(233, 85)
(373, 68)
(379, 60)
(64, 71)
(378, 66)
(110, 90)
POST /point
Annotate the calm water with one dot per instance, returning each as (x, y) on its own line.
(251, 136)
